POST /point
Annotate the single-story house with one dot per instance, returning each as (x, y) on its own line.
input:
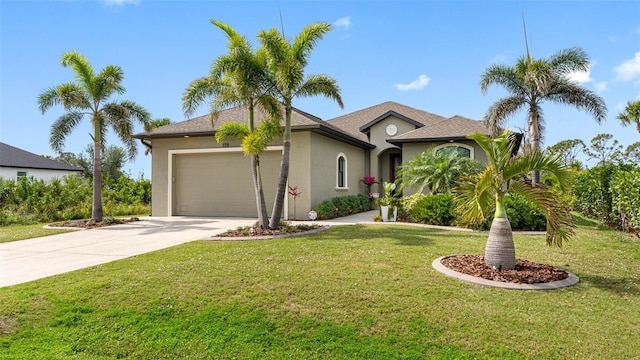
(16, 163)
(193, 175)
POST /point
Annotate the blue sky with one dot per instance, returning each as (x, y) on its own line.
(425, 54)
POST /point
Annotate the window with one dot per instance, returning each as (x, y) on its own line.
(462, 149)
(341, 171)
(22, 174)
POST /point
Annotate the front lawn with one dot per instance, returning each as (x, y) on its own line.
(21, 232)
(352, 292)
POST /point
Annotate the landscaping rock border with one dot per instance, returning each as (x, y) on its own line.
(569, 281)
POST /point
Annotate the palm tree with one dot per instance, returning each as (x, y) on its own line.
(437, 170)
(89, 95)
(239, 78)
(631, 114)
(533, 81)
(478, 193)
(287, 61)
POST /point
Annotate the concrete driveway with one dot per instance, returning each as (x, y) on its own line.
(32, 259)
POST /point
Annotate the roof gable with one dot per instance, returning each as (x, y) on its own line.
(11, 156)
(453, 128)
(365, 128)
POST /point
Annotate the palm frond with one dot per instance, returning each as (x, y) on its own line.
(560, 225)
(306, 40)
(82, 68)
(196, 93)
(108, 82)
(569, 60)
(321, 85)
(565, 92)
(62, 127)
(231, 130)
(501, 110)
(48, 98)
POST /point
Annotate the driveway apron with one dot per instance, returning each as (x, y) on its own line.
(32, 259)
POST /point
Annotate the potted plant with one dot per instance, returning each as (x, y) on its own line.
(388, 204)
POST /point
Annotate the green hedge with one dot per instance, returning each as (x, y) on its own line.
(30, 200)
(434, 209)
(440, 209)
(343, 206)
(610, 194)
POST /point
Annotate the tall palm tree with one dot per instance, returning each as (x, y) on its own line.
(631, 114)
(479, 193)
(437, 170)
(287, 61)
(238, 78)
(89, 95)
(533, 81)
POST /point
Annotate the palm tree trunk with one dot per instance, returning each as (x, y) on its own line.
(500, 252)
(278, 204)
(96, 210)
(257, 183)
(534, 132)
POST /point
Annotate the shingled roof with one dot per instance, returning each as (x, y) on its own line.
(13, 157)
(205, 126)
(453, 128)
(358, 122)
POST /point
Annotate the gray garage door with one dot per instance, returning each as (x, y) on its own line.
(220, 184)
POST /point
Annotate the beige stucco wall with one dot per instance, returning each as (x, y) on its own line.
(312, 169)
(380, 155)
(159, 170)
(324, 153)
(409, 150)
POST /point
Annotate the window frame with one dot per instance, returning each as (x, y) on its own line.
(341, 174)
(464, 146)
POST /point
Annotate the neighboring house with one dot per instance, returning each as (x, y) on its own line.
(194, 175)
(16, 163)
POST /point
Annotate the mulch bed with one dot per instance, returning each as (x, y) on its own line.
(85, 224)
(526, 272)
(255, 230)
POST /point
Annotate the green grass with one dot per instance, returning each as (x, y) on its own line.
(21, 232)
(352, 292)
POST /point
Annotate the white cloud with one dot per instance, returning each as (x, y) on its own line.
(121, 2)
(499, 59)
(630, 69)
(601, 86)
(580, 77)
(344, 22)
(417, 84)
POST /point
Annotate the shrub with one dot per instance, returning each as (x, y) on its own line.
(434, 209)
(343, 206)
(625, 199)
(592, 192)
(523, 215)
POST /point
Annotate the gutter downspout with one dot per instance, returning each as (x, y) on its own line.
(147, 145)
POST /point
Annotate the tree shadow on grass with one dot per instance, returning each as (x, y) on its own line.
(618, 285)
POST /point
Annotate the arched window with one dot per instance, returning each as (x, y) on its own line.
(462, 149)
(341, 171)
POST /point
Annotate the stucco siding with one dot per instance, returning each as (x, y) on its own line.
(380, 165)
(11, 173)
(323, 170)
(410, 150)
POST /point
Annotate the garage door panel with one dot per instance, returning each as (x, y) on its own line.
(220, 184)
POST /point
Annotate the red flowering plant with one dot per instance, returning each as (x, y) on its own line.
(368, 181)
(295, 193)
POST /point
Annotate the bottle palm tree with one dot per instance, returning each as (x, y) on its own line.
(631, 114)
(437, 170)
(533, 81)
(287, 61)
(239, 78)
(89, 95)
(479, 193)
